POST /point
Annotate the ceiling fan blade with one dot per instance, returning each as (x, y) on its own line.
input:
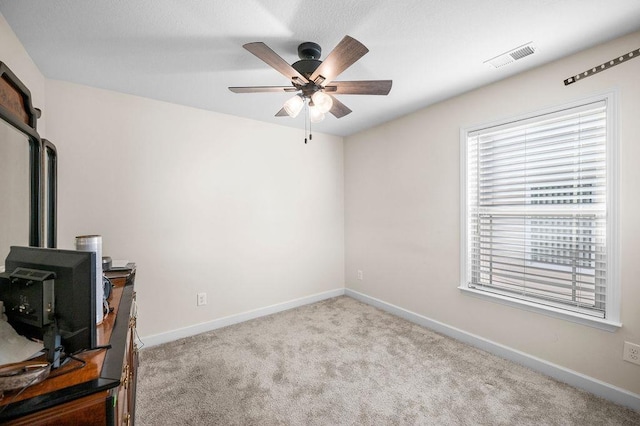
(339, 109)
(282, 113)
(263, 89)
(361, 87)
(345, 54)
(272, 59)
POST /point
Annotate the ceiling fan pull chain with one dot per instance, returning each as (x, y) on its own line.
(306, 120)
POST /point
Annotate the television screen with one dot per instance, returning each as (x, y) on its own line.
(74, 293)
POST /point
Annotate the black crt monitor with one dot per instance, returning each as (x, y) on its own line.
(74, 293)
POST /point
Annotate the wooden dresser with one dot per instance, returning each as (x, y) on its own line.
(103, 391)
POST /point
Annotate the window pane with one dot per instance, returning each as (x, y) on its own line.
(537, 209)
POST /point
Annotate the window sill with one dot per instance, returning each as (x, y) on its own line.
(599, 323)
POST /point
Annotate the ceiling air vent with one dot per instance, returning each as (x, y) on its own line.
(512, 55)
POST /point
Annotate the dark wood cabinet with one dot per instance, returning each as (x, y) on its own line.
(100, 392)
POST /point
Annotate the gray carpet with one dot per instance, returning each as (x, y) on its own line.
(342, 362)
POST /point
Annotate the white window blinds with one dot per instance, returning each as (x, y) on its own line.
(537, 209)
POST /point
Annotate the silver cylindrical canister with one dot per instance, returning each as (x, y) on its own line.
(94, 243)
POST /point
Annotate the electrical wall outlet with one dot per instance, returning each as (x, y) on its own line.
(360, 275)
(631, 353)
(202, 299)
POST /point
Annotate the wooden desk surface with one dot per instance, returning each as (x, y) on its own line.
(70, 374)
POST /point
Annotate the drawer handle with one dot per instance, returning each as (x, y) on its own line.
(125, 376)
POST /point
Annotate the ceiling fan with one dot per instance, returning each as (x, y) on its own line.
(313, 80)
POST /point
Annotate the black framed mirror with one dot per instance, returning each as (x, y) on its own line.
(24, 160)
(50, 182)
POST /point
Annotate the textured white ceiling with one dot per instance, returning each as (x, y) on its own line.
(189, 52)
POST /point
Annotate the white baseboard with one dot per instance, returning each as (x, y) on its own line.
(169, 336)
(573, 378)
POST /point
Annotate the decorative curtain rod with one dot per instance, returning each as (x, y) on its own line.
(612, 63)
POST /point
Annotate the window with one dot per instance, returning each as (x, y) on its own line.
(539, 212)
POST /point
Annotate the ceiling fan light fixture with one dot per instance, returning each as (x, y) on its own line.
(294, 105)
(315, 115)
(322, 101)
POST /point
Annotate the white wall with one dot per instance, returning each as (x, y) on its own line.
(202, 202)
(402, 189)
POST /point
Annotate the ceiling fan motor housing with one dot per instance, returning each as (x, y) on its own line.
(309, 50)
(309, 54)
(306, 67)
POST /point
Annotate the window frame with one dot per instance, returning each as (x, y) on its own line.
(611, 321)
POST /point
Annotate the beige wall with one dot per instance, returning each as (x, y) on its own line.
(402, 190)
(202, 202)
